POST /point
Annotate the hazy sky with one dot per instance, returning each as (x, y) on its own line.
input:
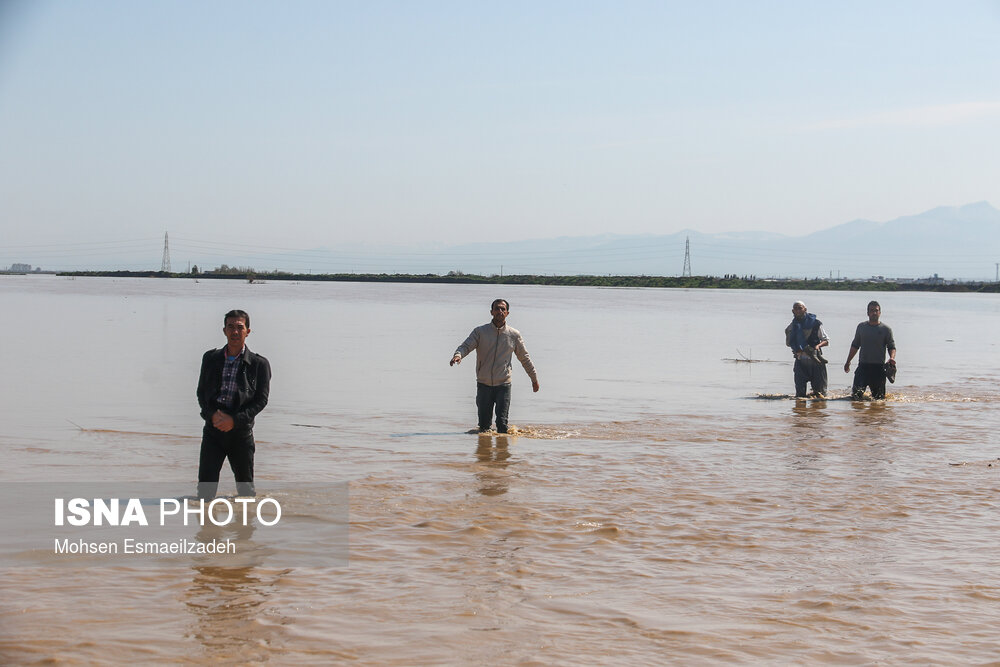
(303, 124)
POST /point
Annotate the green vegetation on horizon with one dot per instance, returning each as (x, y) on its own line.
(686, 282)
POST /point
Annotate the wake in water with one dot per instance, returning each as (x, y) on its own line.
(535, 432)
(655, 428)
(791, 397)
(960, 390)
(923, 397)
(114, 431)
(941, 397)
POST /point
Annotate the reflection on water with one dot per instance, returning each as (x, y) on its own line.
(811, 413)
(493, 453)
(873, 414)
(227, 603)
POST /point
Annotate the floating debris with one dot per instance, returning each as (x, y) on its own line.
(746, 358)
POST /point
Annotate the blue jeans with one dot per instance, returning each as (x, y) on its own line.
(486, 398)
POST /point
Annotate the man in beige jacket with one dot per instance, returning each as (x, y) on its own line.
(494, 343)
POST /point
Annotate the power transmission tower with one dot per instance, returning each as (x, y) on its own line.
(165, 266)
(687, 258)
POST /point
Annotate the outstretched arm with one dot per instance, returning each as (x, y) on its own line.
(465, 348)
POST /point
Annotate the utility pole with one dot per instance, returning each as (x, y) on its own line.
(165, 265)
(686, 273)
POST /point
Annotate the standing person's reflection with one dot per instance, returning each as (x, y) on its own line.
(492, 476)
(227, 601)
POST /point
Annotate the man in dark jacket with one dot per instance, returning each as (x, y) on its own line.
(232, 389)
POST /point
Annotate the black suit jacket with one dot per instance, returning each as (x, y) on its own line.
(253, 383)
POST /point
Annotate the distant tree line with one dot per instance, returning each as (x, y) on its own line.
(728, 281)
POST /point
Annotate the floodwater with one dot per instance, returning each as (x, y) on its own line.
(661, 504)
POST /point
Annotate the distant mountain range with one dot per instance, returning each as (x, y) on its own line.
(953, 242)
(960, 242)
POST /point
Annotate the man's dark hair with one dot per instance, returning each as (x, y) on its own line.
(237, 313)
(870, 304)
(492, 305)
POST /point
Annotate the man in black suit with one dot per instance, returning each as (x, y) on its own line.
(232, 389)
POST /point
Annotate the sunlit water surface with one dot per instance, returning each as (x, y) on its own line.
(660, 503)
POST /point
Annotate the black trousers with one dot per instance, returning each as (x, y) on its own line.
(487, 398)
(808, 371)
(869, 375)
(237, 446)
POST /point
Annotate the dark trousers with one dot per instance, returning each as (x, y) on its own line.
(236, 445)
(487, 398)
(869, 375)
(808, 371)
